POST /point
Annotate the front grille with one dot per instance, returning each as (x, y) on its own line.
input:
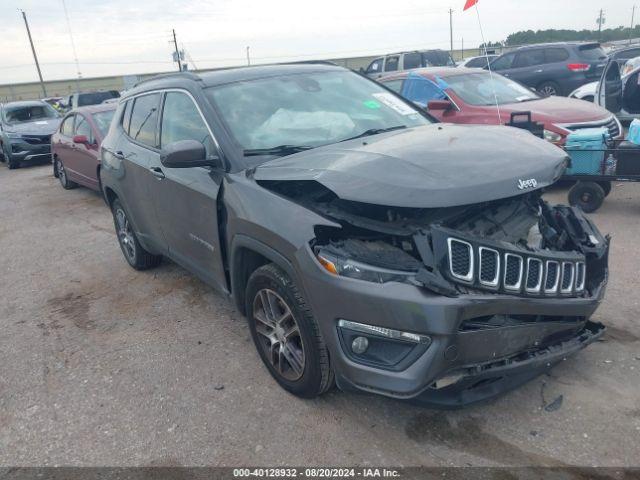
(461, 259)
(516, 271)
(611, 123)
(37, 139)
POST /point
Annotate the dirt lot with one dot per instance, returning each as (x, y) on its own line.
(102, 365)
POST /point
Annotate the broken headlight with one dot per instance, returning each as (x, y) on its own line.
(345, 267)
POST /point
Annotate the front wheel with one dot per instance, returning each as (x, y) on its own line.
(588, 196)
(133, 252)
(286, 334)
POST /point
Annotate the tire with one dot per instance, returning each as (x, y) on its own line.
(54, 166)
(549, 89)
(297, 360)
(133, 252)
(62, 176)
(606, 187)
(13, 164)
(588, 196)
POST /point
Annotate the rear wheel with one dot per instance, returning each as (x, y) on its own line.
(286, 334)
(588, 196)
(549, 89)
(62, 176)
(133, 252)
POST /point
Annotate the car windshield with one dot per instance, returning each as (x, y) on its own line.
(95, 98)
(103, 120)
(483, 88)
(28, 113)
(306, 110)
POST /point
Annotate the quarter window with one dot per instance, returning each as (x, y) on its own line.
(144, 117)
(181, 120)
(126, 117)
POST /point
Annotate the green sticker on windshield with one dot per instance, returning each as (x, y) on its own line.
(372, 104)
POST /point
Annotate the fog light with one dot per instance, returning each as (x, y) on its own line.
(359, 345)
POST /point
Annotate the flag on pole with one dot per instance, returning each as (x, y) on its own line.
(469, 4)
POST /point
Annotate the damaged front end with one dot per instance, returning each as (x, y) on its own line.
(522, 278)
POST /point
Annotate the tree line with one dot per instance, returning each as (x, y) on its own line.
(526, 37)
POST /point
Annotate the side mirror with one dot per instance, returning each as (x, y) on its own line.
(187, 154)
(81, 139)
(443, 105)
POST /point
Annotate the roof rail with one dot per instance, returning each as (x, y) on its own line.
(189, 75)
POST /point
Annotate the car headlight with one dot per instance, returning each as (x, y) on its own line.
(551, 136)
(345, 267)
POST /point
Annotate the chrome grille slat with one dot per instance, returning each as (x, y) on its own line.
(535, 273)
(512, 271)
(461, 259)
(489, 266)
(552, 277)
(580, 276)
(567, 277)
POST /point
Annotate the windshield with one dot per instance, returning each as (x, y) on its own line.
(309, 109)
(478, 89)
(103, 120)
(95, 98)
(28, 113)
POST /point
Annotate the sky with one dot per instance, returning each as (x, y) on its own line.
(119, 37)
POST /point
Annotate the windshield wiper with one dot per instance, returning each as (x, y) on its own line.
(375, 131)
(279, 150)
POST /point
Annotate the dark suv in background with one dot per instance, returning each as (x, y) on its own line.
(553, 68)
(364, 241)
(90, 98)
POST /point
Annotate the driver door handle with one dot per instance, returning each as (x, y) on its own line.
(157, 172)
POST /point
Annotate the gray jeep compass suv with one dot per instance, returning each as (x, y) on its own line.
(367, 244)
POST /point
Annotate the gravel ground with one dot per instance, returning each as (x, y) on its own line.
(103, 365)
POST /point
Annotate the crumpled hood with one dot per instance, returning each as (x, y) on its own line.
(439, 165)
(37, 127)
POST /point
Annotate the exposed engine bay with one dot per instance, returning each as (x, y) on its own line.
(519, 245)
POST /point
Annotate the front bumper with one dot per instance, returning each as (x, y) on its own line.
(518, 351)
(22, 151)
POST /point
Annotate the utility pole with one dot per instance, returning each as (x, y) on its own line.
(35, 57)
(451, 30)
(248, 57)
(175, 43)
(633, 12)
(600, 21)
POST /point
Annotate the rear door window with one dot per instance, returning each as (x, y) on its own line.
(144, 119)
(529, 58)
(412, 60)
(556, 54)
(391, 64)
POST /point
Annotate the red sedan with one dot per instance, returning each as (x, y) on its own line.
(464, 95)
(75, 146)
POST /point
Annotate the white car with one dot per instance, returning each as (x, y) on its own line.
(586, 92)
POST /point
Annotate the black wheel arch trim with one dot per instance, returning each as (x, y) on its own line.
(238, 283)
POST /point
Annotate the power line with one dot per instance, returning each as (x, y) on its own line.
(73, 44)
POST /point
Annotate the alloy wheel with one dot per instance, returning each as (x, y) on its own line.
(549, 91)
(279, 334)
(125, 235)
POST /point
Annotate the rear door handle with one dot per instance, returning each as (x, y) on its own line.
(538, 71)
(157, 172)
